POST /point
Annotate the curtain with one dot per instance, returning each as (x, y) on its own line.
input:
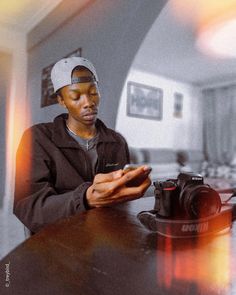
(219, 105)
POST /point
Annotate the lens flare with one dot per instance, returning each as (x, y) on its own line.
(202, 263)
(214, 23)
(17, 117)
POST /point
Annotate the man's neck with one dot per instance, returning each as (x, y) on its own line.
(86, 132)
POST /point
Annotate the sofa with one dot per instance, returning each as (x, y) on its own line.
(168, 163)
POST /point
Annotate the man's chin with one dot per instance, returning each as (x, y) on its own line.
(90, 121)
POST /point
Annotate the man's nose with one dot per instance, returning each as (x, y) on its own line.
(88, 100)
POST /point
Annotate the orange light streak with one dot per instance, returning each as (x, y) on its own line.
(214, 23)
(202, 11)
(165, 276)
(17, 117)
(204, 262)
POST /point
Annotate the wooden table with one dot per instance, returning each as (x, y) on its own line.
(107, 251)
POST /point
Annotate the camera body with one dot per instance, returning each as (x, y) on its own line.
(186, 197)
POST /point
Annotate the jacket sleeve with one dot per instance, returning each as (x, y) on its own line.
(36, 201)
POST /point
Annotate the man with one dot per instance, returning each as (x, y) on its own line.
(75, 163)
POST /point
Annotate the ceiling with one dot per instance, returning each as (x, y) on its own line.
(23, 15)
(169, 50)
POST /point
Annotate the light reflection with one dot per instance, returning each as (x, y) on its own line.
(214, 23)
(18, 116)
(204, 263)
(13, 6)
(217, 39)
(201, 11)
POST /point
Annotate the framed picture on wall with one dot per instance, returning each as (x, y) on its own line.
(178, 105)
(46, 84)
(144, 101)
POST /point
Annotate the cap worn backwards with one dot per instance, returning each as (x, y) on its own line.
(62, 71)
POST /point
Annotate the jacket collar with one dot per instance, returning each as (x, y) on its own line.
(62, 139)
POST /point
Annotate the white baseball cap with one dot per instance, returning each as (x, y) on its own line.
(62, 71)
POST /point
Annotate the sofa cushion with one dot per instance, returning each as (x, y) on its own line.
(164, 171)
(137, 155)
(191, 159)
(162, 161)
(161, 156)
(152, 155)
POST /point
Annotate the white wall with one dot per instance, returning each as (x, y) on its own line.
(170, 132)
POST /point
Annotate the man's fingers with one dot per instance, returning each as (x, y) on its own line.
(132, 174)
(107, 177)
(111, 187)
(117, 189)
(121, 194)
(135, 192)
(108, 183)
(125, 194)
(115, 175)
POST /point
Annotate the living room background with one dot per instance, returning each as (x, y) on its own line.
(185, 132)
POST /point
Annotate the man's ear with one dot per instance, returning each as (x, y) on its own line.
(61, 100)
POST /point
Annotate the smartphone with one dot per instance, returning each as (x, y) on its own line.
(140, 179)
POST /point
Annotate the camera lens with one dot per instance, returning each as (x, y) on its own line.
(200, 201)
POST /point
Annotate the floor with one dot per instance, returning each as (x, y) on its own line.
(11, 233)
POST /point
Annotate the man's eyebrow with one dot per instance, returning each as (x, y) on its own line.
(74, 90)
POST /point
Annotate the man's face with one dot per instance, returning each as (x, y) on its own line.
(81, 99)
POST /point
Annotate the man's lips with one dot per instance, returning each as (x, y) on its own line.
(90, 115)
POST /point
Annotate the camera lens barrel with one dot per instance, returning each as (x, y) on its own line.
(199, 201)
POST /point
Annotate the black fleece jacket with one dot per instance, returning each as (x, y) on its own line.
(52, 171)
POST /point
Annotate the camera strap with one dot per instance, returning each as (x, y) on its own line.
(183, 228)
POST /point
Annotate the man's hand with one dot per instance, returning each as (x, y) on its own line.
(110, 188)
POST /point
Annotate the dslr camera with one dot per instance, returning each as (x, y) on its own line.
(186, 197)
